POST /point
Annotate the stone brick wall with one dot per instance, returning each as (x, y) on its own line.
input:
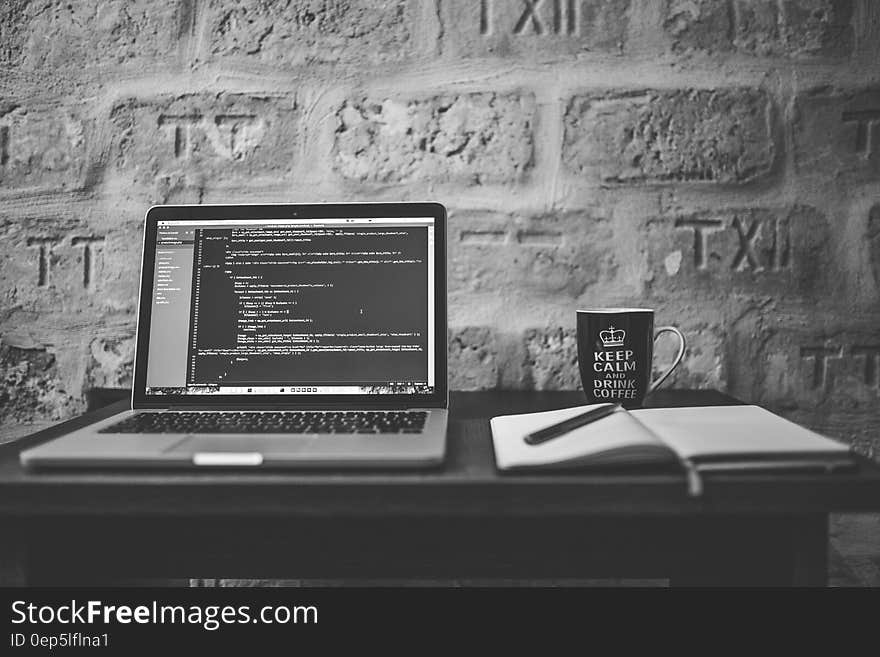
(718, 160)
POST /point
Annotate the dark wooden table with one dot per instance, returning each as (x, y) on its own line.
(461, 521)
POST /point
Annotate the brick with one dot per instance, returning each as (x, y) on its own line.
(473, 358)
(471, 138)
(60, 267)
(837, 133)
(315, 31)
(41, 148)
(88, 33)
(30, 389)
(169, 142)
(688, 135)
(527, 28)
(745, 250)
(563, 254)
(821, 370)
(551, 359)
(779, 28)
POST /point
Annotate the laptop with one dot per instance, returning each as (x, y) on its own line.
(301, 336)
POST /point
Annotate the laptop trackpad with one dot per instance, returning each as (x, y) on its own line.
(231, 445)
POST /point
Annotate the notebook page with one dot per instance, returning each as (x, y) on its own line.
(615, 431)
(734, 431)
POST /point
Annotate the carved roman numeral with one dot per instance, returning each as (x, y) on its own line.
(231, 133)
(779, 253)
(46, 251)
(44, 246)
(871, 354)
(227, 133)
(867, 135)
(4, 145)
(89, 245)
(565, 17)
(745, 255)
(702, 228)
(752, 235)
(182, 128)
(821, 357)
(531, 17)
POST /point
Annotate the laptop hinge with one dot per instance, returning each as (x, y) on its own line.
(295, 405)
(290, 407)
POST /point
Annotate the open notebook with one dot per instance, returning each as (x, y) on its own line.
(703, 438)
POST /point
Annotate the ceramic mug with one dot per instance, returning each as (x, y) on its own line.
(616, 354)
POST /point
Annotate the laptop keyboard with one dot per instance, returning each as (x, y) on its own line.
(272, 422)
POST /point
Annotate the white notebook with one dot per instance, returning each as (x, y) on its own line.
(701, 438)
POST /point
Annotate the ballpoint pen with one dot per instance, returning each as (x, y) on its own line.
(561, 428)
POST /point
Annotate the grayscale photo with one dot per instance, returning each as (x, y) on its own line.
(297, 297)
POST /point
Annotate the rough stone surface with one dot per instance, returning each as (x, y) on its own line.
(314, 31)
(563, 255)
(551, 359)
(783, 28)
(111, 363)
(474, 138)
(29, 387)
(59, 34)
(168, 142)
(838, 133)
(503, 28)
(689, 135)
(701, 25)
(755, 251)
(473, 358)
(42, 148)
(703, 364)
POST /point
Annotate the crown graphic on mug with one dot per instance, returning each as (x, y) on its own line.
(612, 337)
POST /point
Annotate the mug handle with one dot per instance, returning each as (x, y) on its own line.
(678, 356)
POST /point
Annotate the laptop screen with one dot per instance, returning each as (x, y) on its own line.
(330, 306)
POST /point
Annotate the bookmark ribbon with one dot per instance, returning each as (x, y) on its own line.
(694, 481)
